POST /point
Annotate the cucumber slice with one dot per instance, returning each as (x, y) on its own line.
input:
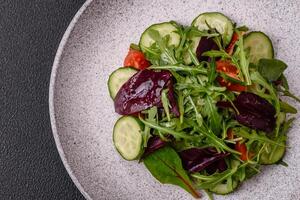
(118, 78)
(260, 46)
(127, 137)
(268, 158)
(222, 188)
(166, 28)
(215, 20)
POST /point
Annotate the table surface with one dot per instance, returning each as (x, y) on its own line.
(30, 32)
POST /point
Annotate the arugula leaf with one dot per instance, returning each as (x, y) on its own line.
(151, 117)
(212, 71)
(165, 165)
(271, 69)
(183, 68)
(287, 108)
(166, 103)
(167, 52)
(165, 130)
(214, 117)
(216, 53)
(244, 62)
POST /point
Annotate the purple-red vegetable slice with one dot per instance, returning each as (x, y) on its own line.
(154, 143)
(254, 111)
(198, 159)
(205, 44)
(143, 91)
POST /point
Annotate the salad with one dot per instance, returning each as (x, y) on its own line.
(202, 104)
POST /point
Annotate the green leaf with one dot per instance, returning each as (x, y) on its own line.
(212, 71)
(165, 165)
(271, 69)
(216, 53)
(151, 117)
(166, 103)
(287, 108)
(244, 62)
(214, 117)
(176, 134)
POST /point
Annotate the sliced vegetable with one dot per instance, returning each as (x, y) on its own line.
(230, 70)
(272, 154)
(141, 92)
(127, 137)
(164, 29)
(259, 46)
(136, 59)
(230, 47)
(196, 159)
(255, 112)
(118, 78)
(205, 44)
(240, 147)
(217, 21)
(154, 143)
(222, 188)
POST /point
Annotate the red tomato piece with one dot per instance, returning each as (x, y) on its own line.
(240, 147)
(229, 69)
(230, 47)
(136, 59)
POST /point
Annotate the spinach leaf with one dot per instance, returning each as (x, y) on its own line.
(271, 69)
(165, 165)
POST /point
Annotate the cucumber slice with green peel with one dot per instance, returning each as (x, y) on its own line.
(272, 157)
(217, 21)
(222, 188)
(118, 78)
(166, 28)
(127, 137)
(259, 45)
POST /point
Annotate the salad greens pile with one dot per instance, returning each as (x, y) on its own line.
(202, 104)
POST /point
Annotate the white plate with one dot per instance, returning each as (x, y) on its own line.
(82, 113)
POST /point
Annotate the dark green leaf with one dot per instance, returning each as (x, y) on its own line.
(271, 69)
(165, 165)
(287, 108)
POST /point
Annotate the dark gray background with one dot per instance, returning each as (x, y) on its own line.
(30, 32)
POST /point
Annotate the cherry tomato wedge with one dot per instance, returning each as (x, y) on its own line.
(230, 70)
(240, 147)
(230, 47)
(136, 59)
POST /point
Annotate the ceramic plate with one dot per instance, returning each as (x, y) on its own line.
(82, 113)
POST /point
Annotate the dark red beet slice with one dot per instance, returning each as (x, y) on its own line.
(254, 112)
(154, 143)
(205, 44)
(143, 91)
(197, 159)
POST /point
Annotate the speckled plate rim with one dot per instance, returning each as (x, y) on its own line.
(55, 67)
